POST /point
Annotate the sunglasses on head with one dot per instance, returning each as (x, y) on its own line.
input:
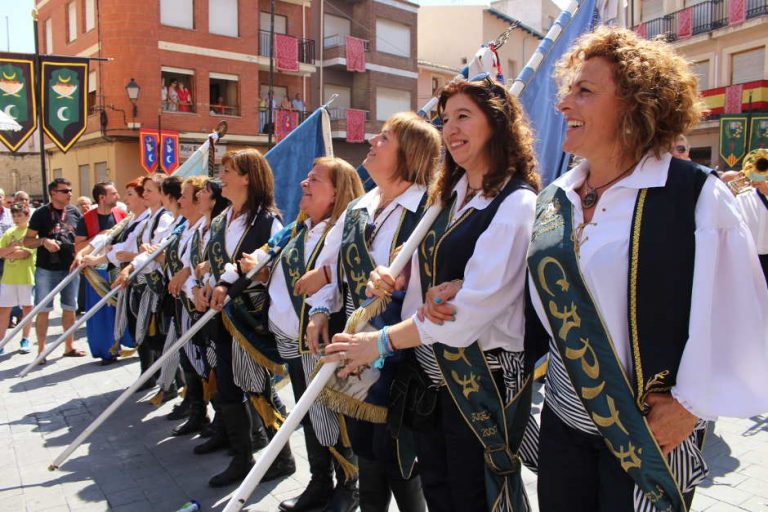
(681, 149)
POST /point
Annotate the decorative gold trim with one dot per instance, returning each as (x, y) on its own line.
(99, 284)
(344, 404)
(257, 356)
(633, 323)
(350, 470)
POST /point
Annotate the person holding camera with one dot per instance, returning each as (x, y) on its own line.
(52, 231)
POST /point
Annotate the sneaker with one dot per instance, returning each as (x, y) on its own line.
(24, 346)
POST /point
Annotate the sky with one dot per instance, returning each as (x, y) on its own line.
(16, 32)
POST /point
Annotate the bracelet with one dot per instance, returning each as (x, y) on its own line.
(320, 309)
(224, 284)
(326, 274)
(384, 343)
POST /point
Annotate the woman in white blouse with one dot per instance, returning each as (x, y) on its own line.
(487, 187)
(649, 284)
(401, 161)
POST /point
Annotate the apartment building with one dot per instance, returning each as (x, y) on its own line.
(218, 50)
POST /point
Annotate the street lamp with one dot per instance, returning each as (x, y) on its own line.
(133, 89)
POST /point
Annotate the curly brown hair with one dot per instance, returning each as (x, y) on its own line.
(510, 148)
(655, 85)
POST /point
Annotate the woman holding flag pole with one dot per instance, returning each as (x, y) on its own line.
(468, 446)
(246, 355)
(329, 187)
(401, 161)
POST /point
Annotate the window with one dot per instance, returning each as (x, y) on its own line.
(177, 13)
(335, 29)
(57, 173)
(747, 66)
(652, 9)
(222, 17)
(91, 91)
(436, 84)
(102, 174)
(701, 70)
(71, 22)
(511, 69)
(391, 101)
(85, 179)
(265, 42)
(49, 36)
(177, 90)
(392, 37)
(339, 106)
(224, 94)
(90, 15)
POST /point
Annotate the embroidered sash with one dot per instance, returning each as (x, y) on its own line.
(245, 315)
(588, 354)
(498, 426)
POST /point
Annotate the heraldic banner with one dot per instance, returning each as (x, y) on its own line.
(17, 98)
(169, 141)
(733, 139)
(64, 98)
(758, 133)
(149, 142)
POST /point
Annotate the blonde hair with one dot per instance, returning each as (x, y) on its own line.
(418, 147)
(345, 180)
(656, 86)
(197, 183)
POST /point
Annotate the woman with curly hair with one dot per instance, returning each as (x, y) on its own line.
(648, 282)
(469, 348)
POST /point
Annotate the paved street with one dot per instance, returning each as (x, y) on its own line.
(133, 464)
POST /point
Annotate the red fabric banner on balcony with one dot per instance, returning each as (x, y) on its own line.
(285, 122)
(355, 54)
(355, 125)
(685, 23)
(642, 31)
(286, 53)
(737, 12)
(733, 96)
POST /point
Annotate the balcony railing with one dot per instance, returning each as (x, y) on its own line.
(340, 114)
(264, 126)
(705, 17)
(306, 47)
(338, 41)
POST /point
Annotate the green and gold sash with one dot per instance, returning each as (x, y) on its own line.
(587, 351)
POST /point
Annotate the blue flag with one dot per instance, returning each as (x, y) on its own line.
(539, 98)
(291, 159)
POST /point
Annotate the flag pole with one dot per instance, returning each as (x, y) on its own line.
(257, 472)
(36, 98)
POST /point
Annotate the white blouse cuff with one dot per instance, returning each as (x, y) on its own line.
(688, 407)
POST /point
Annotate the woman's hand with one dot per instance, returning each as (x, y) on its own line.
(125, 256)
(317, 332)
(670, 422)
(352, 351)
(145, 247)
(436, 308)
(178, 280)
(90, 260)
(218, 297)
(122, 278)
(311, 281)
(203, 298)
(248, 262)
(381, 282)
(202, 269)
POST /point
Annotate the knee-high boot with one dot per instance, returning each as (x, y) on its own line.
(145, 361)
(284, 464)
(237, 421)
(198, 409)
(320, 488)
(218, 439)
(346, 496)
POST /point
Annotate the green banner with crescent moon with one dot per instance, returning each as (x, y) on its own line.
(64, 86)
(17, 98)
(758, 133)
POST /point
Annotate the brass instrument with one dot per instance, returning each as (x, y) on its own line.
(755, 168)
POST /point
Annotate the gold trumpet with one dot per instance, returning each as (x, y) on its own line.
(755, 168)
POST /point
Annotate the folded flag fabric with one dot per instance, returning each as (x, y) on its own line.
(733, 96)
(685, 23)
(737, 11)
(285, 122)
(355, 54)
(355, 125)
(286, 52)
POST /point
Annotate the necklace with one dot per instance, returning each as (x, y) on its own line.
(590, 199)
(471, 193)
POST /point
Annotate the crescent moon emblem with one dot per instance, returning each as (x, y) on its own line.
(61, 79)
(60, 114)
(8, 110)
(169, 159)
(9, 77)
(151, 158)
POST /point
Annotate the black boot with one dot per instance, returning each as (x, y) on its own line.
(320, 488)
(218, 439)
(198, 415)
(259, 433)
(284, 465)
(346, 496)
(145, 361)
(237, 421)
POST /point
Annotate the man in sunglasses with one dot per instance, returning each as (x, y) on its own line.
(52, 231)
(681, 148)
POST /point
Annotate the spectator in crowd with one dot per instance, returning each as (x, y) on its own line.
(22, 198)
(173, 96)
(6, 222)
(185, 98)
(83, 204)
(681, 148)
(220, 108)
(163, 96)
(52, 231)
(286, 103)
(18, 274)
(297, 103)
(8, 201)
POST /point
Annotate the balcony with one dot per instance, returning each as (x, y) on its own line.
(335, 49)
(306, 47)
(754, 98)
(705, 17)
(264, 126)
